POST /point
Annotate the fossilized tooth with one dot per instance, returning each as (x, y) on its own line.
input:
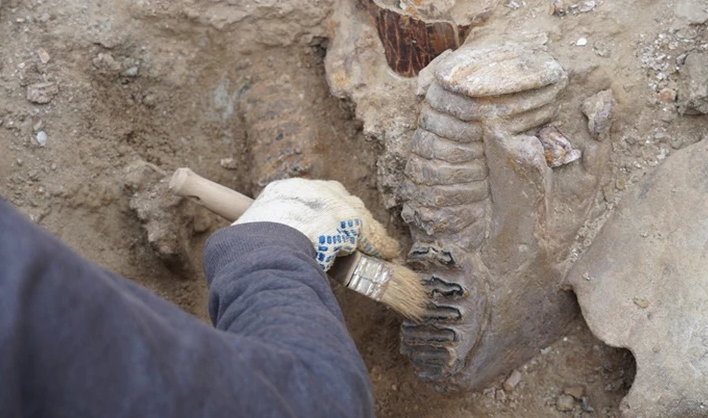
(428, 334)
(431, 253)
(528, 120)
(426, 76)
(411, 43)
(476, 109)
(450, 219)
(469, 94)
(556, 147)
(448, 126)
(444, 287)
(521, 313)
(468, 239)
(519, 174)
(455, 320)
(497, 71)
(471, 237)
(433, 172)
(429, 212)
(445, 195)
(279, 140)
(430, 146)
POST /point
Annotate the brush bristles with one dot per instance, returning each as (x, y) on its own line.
(406, 294)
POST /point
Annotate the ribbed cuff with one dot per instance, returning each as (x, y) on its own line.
(230, 243)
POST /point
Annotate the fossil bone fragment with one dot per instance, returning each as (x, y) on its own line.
(410, 36)
(642, 286)
(556, 147)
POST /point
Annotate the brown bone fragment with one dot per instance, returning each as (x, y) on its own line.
(411, 44)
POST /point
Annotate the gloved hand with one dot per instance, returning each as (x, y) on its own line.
(336, 222)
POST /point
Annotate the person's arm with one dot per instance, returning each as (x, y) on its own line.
(78, 341)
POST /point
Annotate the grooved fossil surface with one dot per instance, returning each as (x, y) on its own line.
(477, 198)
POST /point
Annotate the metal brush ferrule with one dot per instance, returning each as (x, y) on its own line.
(370, 277)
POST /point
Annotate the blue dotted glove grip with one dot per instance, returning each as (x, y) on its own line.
(344, 241)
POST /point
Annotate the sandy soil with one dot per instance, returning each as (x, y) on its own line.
(162, 82)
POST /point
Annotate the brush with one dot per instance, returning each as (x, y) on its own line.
(389, 283)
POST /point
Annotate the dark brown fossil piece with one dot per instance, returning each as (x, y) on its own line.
(410, 43)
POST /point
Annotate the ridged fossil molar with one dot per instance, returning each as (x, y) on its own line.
(477, 200)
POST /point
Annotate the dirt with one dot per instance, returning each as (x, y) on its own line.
(162, 82)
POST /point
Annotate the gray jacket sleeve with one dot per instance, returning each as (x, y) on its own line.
(79, 341)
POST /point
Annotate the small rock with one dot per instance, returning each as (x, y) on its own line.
(546, 350)
(620, 183)
(662, 154)
(575, 391)
(585, 405)
(511, 381)
(693, 85)
(667, 95)
(676, 142)
(667, 115)
(43, 56)
(131, 72)
(601, 49)
(150, 100)
(641, 302)
(558, 8)
(41, 138)
(228, 163)
(681, 59)
(42, 93)
(565, 403)
(587, 6)
(500, 396)
(661, 136)
(202, 221)
(105, 63)
(598, 109)
(19, 161)
(693, 11)
(38, 125)
(581, 42)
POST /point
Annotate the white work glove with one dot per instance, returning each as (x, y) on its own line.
(336, 222)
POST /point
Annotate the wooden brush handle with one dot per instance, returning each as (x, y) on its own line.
(219, 199)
